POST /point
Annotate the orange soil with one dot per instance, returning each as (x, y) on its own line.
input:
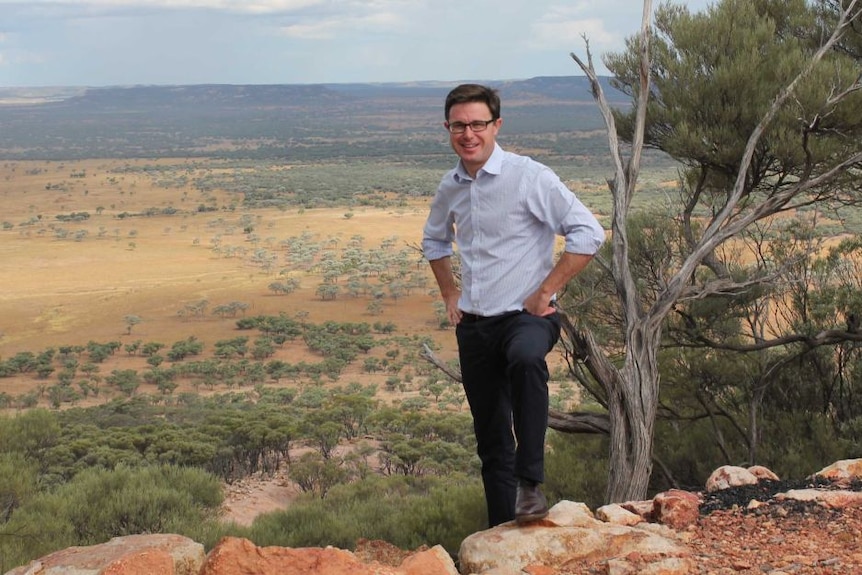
(56, 292)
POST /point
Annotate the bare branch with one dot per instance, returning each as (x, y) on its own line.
(825, 337)
(579, 422)
(643, 99)
(428, 355)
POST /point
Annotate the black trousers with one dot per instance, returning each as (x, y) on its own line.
(505, 378)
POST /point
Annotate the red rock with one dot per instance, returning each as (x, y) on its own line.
(237, 556)
(842, 472)
(434, 561)
(642, 508)
(833, 499)
(539, 570)
(676, 508)
(761, 472)
(618, 515)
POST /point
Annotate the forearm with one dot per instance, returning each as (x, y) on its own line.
(442, 269)
(567, 267)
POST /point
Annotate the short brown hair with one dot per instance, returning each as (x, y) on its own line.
(466, 93)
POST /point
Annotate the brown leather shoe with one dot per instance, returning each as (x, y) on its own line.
(530, 504)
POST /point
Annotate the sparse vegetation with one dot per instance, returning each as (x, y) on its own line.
(285, 313)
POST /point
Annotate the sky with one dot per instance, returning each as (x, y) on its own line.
(179, 42)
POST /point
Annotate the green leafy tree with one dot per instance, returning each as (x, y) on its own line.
(32, 433)
(317, 474)
(131, 321)
(18, 483)
(126, 380)
(763, 122)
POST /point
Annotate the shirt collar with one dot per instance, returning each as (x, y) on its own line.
(493, 166)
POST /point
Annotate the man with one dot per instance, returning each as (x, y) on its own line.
(504, 212)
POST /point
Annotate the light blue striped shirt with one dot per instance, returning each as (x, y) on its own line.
(504, 223)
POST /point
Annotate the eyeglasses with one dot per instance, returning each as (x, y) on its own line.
(461, 127)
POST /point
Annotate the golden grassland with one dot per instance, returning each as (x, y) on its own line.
(69, 291)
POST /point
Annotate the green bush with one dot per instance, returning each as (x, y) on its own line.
(576, 468)
(36, 529)
(795, 445)
(100, 504)
(18, 483)
(30, 433)
(407, 512)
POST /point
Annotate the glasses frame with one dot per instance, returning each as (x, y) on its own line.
(460, 127)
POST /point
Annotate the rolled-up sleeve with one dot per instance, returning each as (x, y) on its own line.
(569, 217)
(583, 232)
(439, 231)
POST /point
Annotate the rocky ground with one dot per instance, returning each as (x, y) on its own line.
(791, 537)
(780, 541)
(777, 538)
(797, 539)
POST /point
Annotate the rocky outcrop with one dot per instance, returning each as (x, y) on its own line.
(131, 555)
(842, 473)
(235, 556)
(649, 534)
(570, 534)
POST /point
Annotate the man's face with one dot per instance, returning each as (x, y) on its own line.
(474, 148)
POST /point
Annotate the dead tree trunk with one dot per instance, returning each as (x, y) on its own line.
(631, 398)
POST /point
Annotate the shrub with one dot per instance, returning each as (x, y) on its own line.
(97, 505)
(576, 468)
(18, 482)
(407, 512)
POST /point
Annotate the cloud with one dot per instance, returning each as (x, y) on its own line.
(327, 28)
(550, 34)
(313, 30)
(257, 6)
(563, 26)
(108, 42)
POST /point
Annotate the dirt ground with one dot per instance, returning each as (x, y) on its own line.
(67, 291)
(247, 499)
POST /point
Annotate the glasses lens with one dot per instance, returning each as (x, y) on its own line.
(457, 127)
(478, 126)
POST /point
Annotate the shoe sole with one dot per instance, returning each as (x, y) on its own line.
(530, 518)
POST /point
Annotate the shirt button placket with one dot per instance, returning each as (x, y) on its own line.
(478, 268)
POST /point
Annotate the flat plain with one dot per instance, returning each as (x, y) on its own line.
(148, 214)
(70, 282)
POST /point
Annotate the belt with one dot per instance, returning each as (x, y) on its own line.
(467, 317)
(472, 317)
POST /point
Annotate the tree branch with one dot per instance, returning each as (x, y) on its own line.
(725, 225)
(825, 337)
(572, 422)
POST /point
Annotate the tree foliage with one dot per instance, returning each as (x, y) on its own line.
(758, 103)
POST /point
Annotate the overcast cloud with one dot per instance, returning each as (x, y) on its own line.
(120, 42)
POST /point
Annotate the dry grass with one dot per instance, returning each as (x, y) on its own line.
(56, 292)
